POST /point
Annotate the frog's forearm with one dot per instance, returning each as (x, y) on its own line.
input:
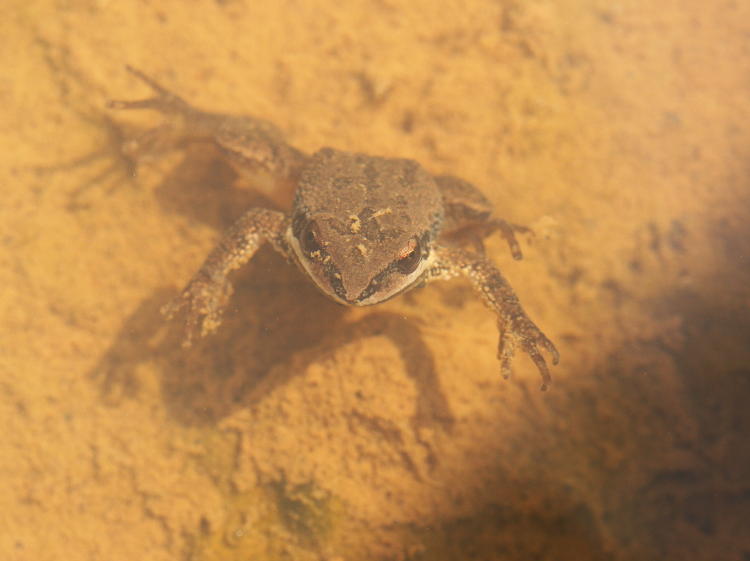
(515, 326)
(205, 296)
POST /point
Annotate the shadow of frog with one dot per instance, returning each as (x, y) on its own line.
(275, 314)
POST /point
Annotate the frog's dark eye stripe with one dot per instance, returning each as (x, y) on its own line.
(335, 280)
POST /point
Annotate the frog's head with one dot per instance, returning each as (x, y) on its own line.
(363, 227)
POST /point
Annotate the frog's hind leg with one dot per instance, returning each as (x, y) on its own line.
(249, 143)
(469, 218)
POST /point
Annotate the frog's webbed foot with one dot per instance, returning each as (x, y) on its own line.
(204, 298)
(521, 332)
(508, 231)
(154, 142)
(164, 101)
(470, 215)
(516, 328)
(203, 301)
(147, 147)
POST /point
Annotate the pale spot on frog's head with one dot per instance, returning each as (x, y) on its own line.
(356, 224)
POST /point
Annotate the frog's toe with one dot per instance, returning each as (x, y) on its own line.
(505, 352)
(532, 342)
(532, 346)
(541, 365)
(164, 100)
(169, 309)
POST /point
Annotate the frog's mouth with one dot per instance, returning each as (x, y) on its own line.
(387, 284)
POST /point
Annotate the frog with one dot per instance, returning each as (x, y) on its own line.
(364, 229)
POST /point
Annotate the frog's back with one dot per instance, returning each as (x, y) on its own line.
(354, 187)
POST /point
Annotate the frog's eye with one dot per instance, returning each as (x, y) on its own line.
(310, 238)
(409, 257)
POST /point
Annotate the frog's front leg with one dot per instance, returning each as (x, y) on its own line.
(467, 211)
(206, 295)
(516, 329)
(248, 142)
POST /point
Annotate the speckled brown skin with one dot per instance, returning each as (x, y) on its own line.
(363, 228)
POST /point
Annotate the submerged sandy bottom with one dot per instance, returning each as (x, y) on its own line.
(305, 430)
